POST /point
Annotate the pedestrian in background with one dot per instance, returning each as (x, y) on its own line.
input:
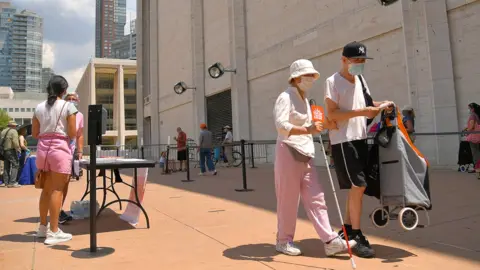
(205, 144)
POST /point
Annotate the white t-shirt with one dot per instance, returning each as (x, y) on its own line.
(48, 116)
(291, 110)
(348, 96)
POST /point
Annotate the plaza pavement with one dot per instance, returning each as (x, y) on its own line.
(206, 224)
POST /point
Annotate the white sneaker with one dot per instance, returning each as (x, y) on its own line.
(42, 231)
(200, 174)
(288, 249)
(338, 245)
(57, 237)
(214, 173)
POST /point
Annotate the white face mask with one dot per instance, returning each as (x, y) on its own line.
(306, 83)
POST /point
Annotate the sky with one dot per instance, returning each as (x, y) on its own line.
(68, 33)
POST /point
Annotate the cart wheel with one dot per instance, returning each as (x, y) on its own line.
(408, 218)
(462, 168)
(421, 208)
(380, 217)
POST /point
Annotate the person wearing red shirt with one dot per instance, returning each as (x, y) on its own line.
(181, 147)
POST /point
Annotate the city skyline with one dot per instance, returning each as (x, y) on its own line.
(69, 33)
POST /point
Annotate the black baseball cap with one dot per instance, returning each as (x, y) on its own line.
(355, 50)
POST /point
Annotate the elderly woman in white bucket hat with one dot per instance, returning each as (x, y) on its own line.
(295, 173)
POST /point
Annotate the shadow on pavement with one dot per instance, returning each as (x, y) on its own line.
(85, 253)
(266, 252)
(454, 195)
(108, 221)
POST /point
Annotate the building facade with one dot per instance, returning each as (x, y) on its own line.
(27, 52)
(19, 106)
(126, 47)
(112, 83)
(47, 73)
(7, 13)
(425, 56)
(110, 19)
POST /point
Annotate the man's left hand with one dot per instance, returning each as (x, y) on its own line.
(328, 124)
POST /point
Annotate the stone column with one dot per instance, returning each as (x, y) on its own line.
(238, 56)
(121, 106)
(199, 69)
(92, 83)
(139, 73)
(430, 77)
(152, 61)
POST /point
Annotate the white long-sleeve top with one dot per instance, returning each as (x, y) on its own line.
(291, 110)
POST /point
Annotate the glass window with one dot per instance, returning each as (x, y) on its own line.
(104, 95)
(17, 109)
(22, 109)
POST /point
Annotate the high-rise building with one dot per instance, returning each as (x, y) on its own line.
(27, 52)
(126, 47)
(7, 13)
(47, 73)
(110, 19)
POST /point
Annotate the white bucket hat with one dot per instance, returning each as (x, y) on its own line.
(302, 67)
(407, 108)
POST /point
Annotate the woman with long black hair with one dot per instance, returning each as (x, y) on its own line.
(54, 124)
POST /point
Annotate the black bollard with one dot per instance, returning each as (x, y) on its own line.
(244, 169)
(167, 171)
(187, 165)
(143, 152)
(118, 151)
(252, 157)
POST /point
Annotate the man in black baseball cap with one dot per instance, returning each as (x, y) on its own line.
(348, 102)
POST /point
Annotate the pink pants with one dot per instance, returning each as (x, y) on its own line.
(294, 179)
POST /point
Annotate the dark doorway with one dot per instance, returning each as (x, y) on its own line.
(219, 113)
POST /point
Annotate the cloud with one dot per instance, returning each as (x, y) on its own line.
(48, 55)
(73, 77)
(68, 34)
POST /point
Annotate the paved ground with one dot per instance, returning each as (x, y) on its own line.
(206, 224)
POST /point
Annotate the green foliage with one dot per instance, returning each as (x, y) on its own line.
(4, 118)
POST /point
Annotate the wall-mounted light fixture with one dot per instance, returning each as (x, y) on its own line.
(181, 87)
(389, 2)
(217, 70)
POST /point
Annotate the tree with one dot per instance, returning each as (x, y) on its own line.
(4, 119)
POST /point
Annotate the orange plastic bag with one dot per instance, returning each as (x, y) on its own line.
(317, 113)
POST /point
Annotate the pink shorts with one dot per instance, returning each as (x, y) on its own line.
(54, 154)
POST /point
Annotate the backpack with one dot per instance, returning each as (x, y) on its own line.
(2, 145)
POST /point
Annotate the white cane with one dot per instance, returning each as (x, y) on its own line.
(354, 266)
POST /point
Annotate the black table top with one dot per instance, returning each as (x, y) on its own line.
(118, 163)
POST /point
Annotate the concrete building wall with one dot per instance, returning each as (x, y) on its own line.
(424, 56)
(464, 24)
(174, 65)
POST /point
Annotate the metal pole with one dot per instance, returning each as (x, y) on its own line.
(252, 157)
(93, 198)
(187, 165)
(167, 171)
(244, 169)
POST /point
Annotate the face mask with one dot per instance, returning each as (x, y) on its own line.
(306, 83)
(356, 69)
(75, 103)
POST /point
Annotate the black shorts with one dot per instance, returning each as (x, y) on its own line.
(182, 155)
(350, 160)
